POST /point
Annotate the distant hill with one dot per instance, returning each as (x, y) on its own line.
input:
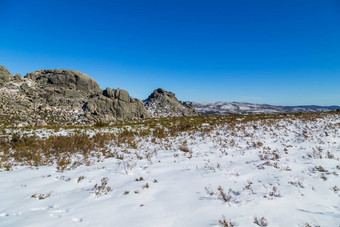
(224, 108)
(317, 107)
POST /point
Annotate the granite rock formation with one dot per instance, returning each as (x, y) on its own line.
(162, 103)
(59, 96)
(5, 75)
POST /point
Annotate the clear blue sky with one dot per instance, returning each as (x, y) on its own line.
(276, 52)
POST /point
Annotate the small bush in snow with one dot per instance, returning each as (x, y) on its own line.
(261, 222)
(224, 223)
(102, 189)
(80, 178)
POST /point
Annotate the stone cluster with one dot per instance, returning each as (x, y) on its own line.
(67, 97)
(162, 103)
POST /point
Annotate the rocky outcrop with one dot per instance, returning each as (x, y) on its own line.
(59, 87)
(59, 96)
(17, 108)
(77, 91)
(163, 103)
(67, 97)
(66, 79)
(18, 77)
(116, 104)
(5, 75)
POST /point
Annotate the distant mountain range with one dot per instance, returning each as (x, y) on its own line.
(317, 107)
(221, 108)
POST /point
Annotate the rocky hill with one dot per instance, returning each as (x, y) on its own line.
(59, 96)
(162, 103)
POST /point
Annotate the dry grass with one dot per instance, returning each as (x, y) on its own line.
(25, 147)
(224, 223)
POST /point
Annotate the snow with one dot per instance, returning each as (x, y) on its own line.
(179, 182)
(223, 108)
(14, 86)
(8, 91)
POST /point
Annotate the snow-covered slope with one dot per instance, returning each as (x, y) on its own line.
(221, 108)
(283, 172)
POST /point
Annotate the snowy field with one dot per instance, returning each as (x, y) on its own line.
(276, 172)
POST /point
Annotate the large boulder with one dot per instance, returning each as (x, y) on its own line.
(18, 77)
(67, 79)
(108, 92)
(120, 94)
(162, 103)
(5, 75)
(69, 89)
(116, 103)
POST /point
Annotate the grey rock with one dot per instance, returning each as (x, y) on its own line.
(5, 75)
(120, 105)
(70, 93)
(108, 92)
(70, 79)
(25, 88)
(77, 105)
(162, 103)
(52, 100)
(91, 106)
(44, 107)
(18, 77)
(116, 103)
(40, 123)
(59, 96)
(115, 107)
(23, 104)
(27, 119)
(122, 95)
(61, 87)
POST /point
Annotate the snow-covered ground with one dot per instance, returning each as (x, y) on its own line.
(282, 171)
